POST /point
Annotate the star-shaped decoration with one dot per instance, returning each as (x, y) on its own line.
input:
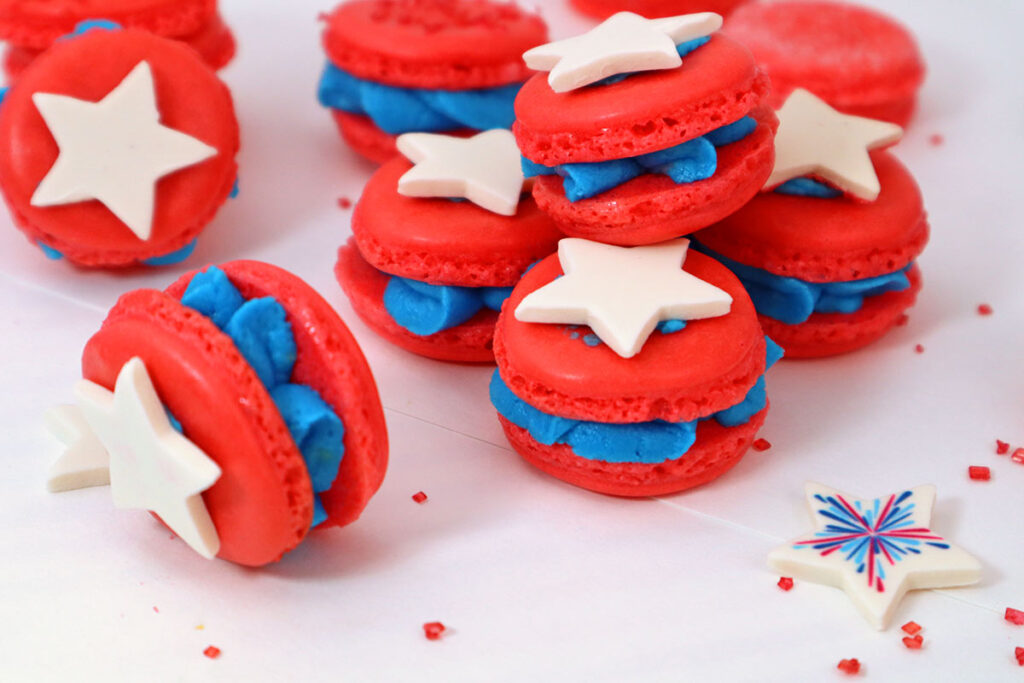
(152, 466)
(85, 462)
(875, 549)
(815, 139)
(114, 150)
(622, 293)
(623, 43)
(486, 169)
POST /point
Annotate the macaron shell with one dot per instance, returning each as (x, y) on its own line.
(437, 44)
(361, 134)
(603, 9)
(707, 367)
(471, 342)
(716, 451)
(716, 85)
(445, 242)
(831, 334)
(828, 240)
(262, 505)
(191, 99)
(653, 208)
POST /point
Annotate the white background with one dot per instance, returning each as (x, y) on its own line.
(538, 580)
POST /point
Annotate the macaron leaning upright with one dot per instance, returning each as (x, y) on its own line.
(439, 66)
(828, 251)
(235, 406)
(439, 242)
(632, 371)
(117, 147)
(643, 130)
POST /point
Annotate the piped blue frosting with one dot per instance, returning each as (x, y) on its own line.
(261, 332)
(643, 442)
(425, 309)
(808, 187)
(404, 110)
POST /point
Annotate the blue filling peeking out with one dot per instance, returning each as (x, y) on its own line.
(170, 259)
(262, 334)
(808, 187)
(643, 442)
(404, 110)
(426, 309)
(792, 301)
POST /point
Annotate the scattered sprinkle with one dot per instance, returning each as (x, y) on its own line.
(420, 497)
(433, 630)
(902, 320)
(849, 666)
(1018, 456)
(156, 609)
(212, 652)
(786, 583)
(912, 628)
(978, 473)
(345, 203)
(919, 348)
(984, 309)
(200, 627)
(1002, 448)
(1014, 616)
(936, 140)
(1018, 652)
(761, 445)
(913, 643)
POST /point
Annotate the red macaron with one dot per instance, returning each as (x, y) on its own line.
(857, 59)
(263, 503)
(655, 8)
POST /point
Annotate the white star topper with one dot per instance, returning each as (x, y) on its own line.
(125, 438)
(486, 169)
(623, 43)
(875, 549)
(114, 150)
(813, 138)
(622, 293)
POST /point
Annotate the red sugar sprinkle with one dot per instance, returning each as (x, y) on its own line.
(914, 643)
(786, 583)
(849, 666)
(420, 497)
(433, 630)
(912, 628)
(1018, 652)
(1014, 616)
(984, 309)
(1018, 456)
(1002, 448)
(979, 473)
(902, 320)
(761, 445)
(936, 140)
(212, 652)
(919, 348)
(156, 609)
(345, 203)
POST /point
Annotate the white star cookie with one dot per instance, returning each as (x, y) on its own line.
(623, 43)
(85, 462)
(875, 549)
(622, 293)
(114, 150)
(814, 138)
(486, 169)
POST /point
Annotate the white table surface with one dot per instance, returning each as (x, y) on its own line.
(535, 579)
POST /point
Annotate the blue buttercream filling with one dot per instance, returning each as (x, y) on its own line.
(689, 162)
(592, 340)
(682, 48)
(643, 442)
(261, 332)
(425, 309)
(404, 110)
(808, 187)
(792, 301)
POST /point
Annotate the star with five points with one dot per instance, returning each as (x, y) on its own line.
(622, 293)
(114, 150)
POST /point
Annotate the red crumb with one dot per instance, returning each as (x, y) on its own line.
(902, 320)
(1018, 652)
(420, 497)
(1002, 448)
(212, 652)
(919, 348)
(912, 628)
(936, 140)
(913, 643)
(1018, 456)
(345, 203)
(978, 473)
(849, 666)
(1014, 616)
(156, 609)
(761, 445)
(433, 630)
(786, 583)
(984, 309)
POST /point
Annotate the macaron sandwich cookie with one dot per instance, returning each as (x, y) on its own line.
(857, 59)
(828, 251)
(235, 406)
(633, 371)
(31, 26)
(643, 130)
(440, 66)
(439, 241)
(602, 9)
(117, 147)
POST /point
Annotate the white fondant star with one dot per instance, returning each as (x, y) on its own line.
(486, 169)
(623, 43)
(114, 150)
(152, 466)
(875, 549)
(84, 463)
(622, 293)
(813, 138)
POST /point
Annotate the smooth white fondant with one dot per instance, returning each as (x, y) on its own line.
(114, 151)
(815, 139)
(623, 43)
(84, 462)
(152, 466)
(622, 293)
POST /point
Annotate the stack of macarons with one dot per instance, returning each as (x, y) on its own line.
(117, 148)
(602, 9)
(439, 240)
(442, 66)
(643, 130)
(31, 26)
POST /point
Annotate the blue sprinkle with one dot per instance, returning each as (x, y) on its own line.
(235, 190)
(808, 187)
(50, 252)
(592, 340)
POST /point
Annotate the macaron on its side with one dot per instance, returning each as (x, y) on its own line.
(602, 9)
